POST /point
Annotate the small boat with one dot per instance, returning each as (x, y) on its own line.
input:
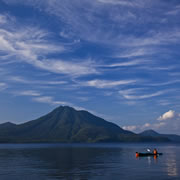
(147, 154)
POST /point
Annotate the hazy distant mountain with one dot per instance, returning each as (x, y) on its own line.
(152, 133)
(65, 124)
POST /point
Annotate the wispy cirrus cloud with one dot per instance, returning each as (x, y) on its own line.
(165, 102)
(27, 93)
(124, 64)
(90, 20)
(136, 52)
(117, 2)
(152, 40)
(97, 83)
(22, 80)
(31, 45)
(49, 100)
(134, 94)
(85, 23)
(69, 68)
(164, 83)
(26, 42)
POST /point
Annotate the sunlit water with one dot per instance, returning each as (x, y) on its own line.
(88, 161)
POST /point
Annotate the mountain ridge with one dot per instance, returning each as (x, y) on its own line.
(149, 132)
(152, 133)
(65, 124)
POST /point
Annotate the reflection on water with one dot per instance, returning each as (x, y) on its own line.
(172, 168)
(171, 162)
(97, 161)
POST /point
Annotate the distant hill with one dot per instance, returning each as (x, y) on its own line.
(65, 124)
(152, 133)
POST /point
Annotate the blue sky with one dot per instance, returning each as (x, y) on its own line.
(118, 59)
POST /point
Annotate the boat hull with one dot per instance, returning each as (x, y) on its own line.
(149, 154)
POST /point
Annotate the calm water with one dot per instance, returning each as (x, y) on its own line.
(82, 161)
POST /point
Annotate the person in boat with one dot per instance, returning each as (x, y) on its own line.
(137, 154)
(155, 152)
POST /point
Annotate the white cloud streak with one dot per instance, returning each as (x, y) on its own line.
(69, 68)
(164, 83)
(137, 52)
(130, 94)
(107, 84)
(27, 93)
(19, 79)
(116, 2)
(49, 100)
(124, 64)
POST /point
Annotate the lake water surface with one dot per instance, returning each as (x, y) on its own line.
(88, 161)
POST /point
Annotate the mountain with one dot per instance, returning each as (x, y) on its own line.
(65, 124)
(152, 133)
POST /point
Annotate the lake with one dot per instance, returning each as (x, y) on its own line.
(88, 161)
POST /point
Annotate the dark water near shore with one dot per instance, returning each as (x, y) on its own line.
(87, 161)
